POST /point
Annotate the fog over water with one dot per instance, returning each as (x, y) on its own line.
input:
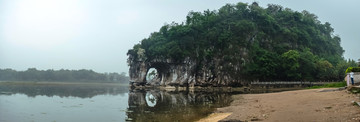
(96, 34)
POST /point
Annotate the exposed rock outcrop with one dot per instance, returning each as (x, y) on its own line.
(168, 73)
(186, 73)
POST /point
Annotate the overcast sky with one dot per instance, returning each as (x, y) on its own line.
(96, 34)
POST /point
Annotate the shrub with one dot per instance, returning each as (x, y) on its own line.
(330, 85)
(352, 69)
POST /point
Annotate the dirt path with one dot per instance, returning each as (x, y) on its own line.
(316, 105)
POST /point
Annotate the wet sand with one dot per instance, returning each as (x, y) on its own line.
(314, 105)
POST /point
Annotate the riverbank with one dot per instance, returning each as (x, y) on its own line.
(320, 105)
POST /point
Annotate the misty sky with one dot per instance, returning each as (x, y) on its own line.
(96, 34)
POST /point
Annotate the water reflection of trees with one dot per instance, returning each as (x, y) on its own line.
(173, 106)
(68, 90)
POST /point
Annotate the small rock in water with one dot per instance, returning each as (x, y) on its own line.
(129, 119)
(129, 111)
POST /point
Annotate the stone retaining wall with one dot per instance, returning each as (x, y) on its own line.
(356, 78)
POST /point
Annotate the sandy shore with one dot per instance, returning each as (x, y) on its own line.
(315, 105)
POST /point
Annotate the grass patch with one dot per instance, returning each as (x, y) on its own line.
(330, 85)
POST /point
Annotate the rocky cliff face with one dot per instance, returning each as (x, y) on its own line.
(168, 73)
(186, 73)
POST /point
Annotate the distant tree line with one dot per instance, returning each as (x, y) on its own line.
(62, 75)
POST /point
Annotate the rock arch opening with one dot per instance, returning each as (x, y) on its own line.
(153, 76)
(159, 72)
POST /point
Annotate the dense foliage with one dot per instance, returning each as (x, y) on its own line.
(254, 43)
(32, 74)
(352, 69)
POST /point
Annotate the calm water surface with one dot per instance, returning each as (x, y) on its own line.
(103, 103)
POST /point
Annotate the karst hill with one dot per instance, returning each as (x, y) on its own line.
(237, 44)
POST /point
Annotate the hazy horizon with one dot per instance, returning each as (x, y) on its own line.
(95, 34)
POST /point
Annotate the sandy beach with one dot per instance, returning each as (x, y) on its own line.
(314, 105)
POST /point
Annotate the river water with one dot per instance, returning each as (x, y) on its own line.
(103, 103)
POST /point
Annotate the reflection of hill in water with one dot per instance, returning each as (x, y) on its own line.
(64, 90)
(174, 106)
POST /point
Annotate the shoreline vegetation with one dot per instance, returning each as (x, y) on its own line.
(329, 85)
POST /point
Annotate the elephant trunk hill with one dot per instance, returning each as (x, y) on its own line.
(236, 44)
